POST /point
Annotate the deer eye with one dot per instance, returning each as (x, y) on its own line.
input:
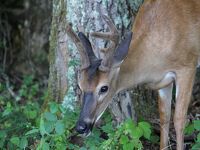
(103, 89)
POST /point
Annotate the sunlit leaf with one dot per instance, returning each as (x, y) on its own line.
(123, 140)
(146, 127)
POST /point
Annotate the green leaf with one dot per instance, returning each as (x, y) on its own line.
(198, 138)
(49, 126)
(7, 111)
(129, 124)
(137, 133)
(2, 138)
(196, 146)
(189, 129)
(197, 124)
(137, 143)
(2, 134)
(32, 131)
(83, 148)
(45, 146)
(23, 143)
(154, 139)
(128, 146)
(128, 127)
(123, 140)
(108, 128)
(59, 127)
(15, 140)
(53, 107)
(42, 127)
(49, 116)
(32, 114)
(146, 127)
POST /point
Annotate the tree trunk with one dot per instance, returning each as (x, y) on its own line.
(58, 55)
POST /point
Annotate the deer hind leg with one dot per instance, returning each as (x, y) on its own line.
(164, 101)
(184, 85)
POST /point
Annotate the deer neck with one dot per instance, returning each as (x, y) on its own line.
(131, 72)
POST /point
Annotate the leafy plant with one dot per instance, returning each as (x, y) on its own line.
(24, 126)
(192, 128)
(127, 136)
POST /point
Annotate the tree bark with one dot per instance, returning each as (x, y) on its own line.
(58, 55)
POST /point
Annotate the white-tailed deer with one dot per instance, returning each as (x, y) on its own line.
(164, 49)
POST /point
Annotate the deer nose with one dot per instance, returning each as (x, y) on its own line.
(81, 127)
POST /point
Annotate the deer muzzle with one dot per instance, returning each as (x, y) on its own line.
(87, 115)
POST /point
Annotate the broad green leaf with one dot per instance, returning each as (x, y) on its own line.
(128, 146)
(49, 126)
(108, 128)
(128, 127)
(196, 146)
(2, 134)
(31, 114)
(7, 111)
(15, 140)
(83, 148)
(32, 131)
(2, 138)
(129, 124)
(45, 146)
(42, 127)
(23, 143)
(146, 127)
(59, 127)
(137, 143)
(197, 124)
(49, 116)
(154, 139)
(189, 129)
(137, 133)
(53, 107)
(198, 138)
(123, 140)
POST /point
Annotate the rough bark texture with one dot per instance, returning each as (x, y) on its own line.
(58, 55)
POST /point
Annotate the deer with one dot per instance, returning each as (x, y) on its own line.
(162, 50)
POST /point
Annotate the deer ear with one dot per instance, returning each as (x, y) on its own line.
(122, 50)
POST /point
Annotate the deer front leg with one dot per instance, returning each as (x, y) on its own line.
(164, 101)
(184, 84)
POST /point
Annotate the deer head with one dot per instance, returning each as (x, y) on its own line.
(98, 76)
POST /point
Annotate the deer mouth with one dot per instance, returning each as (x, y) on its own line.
(89, 130)
(84, 128)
